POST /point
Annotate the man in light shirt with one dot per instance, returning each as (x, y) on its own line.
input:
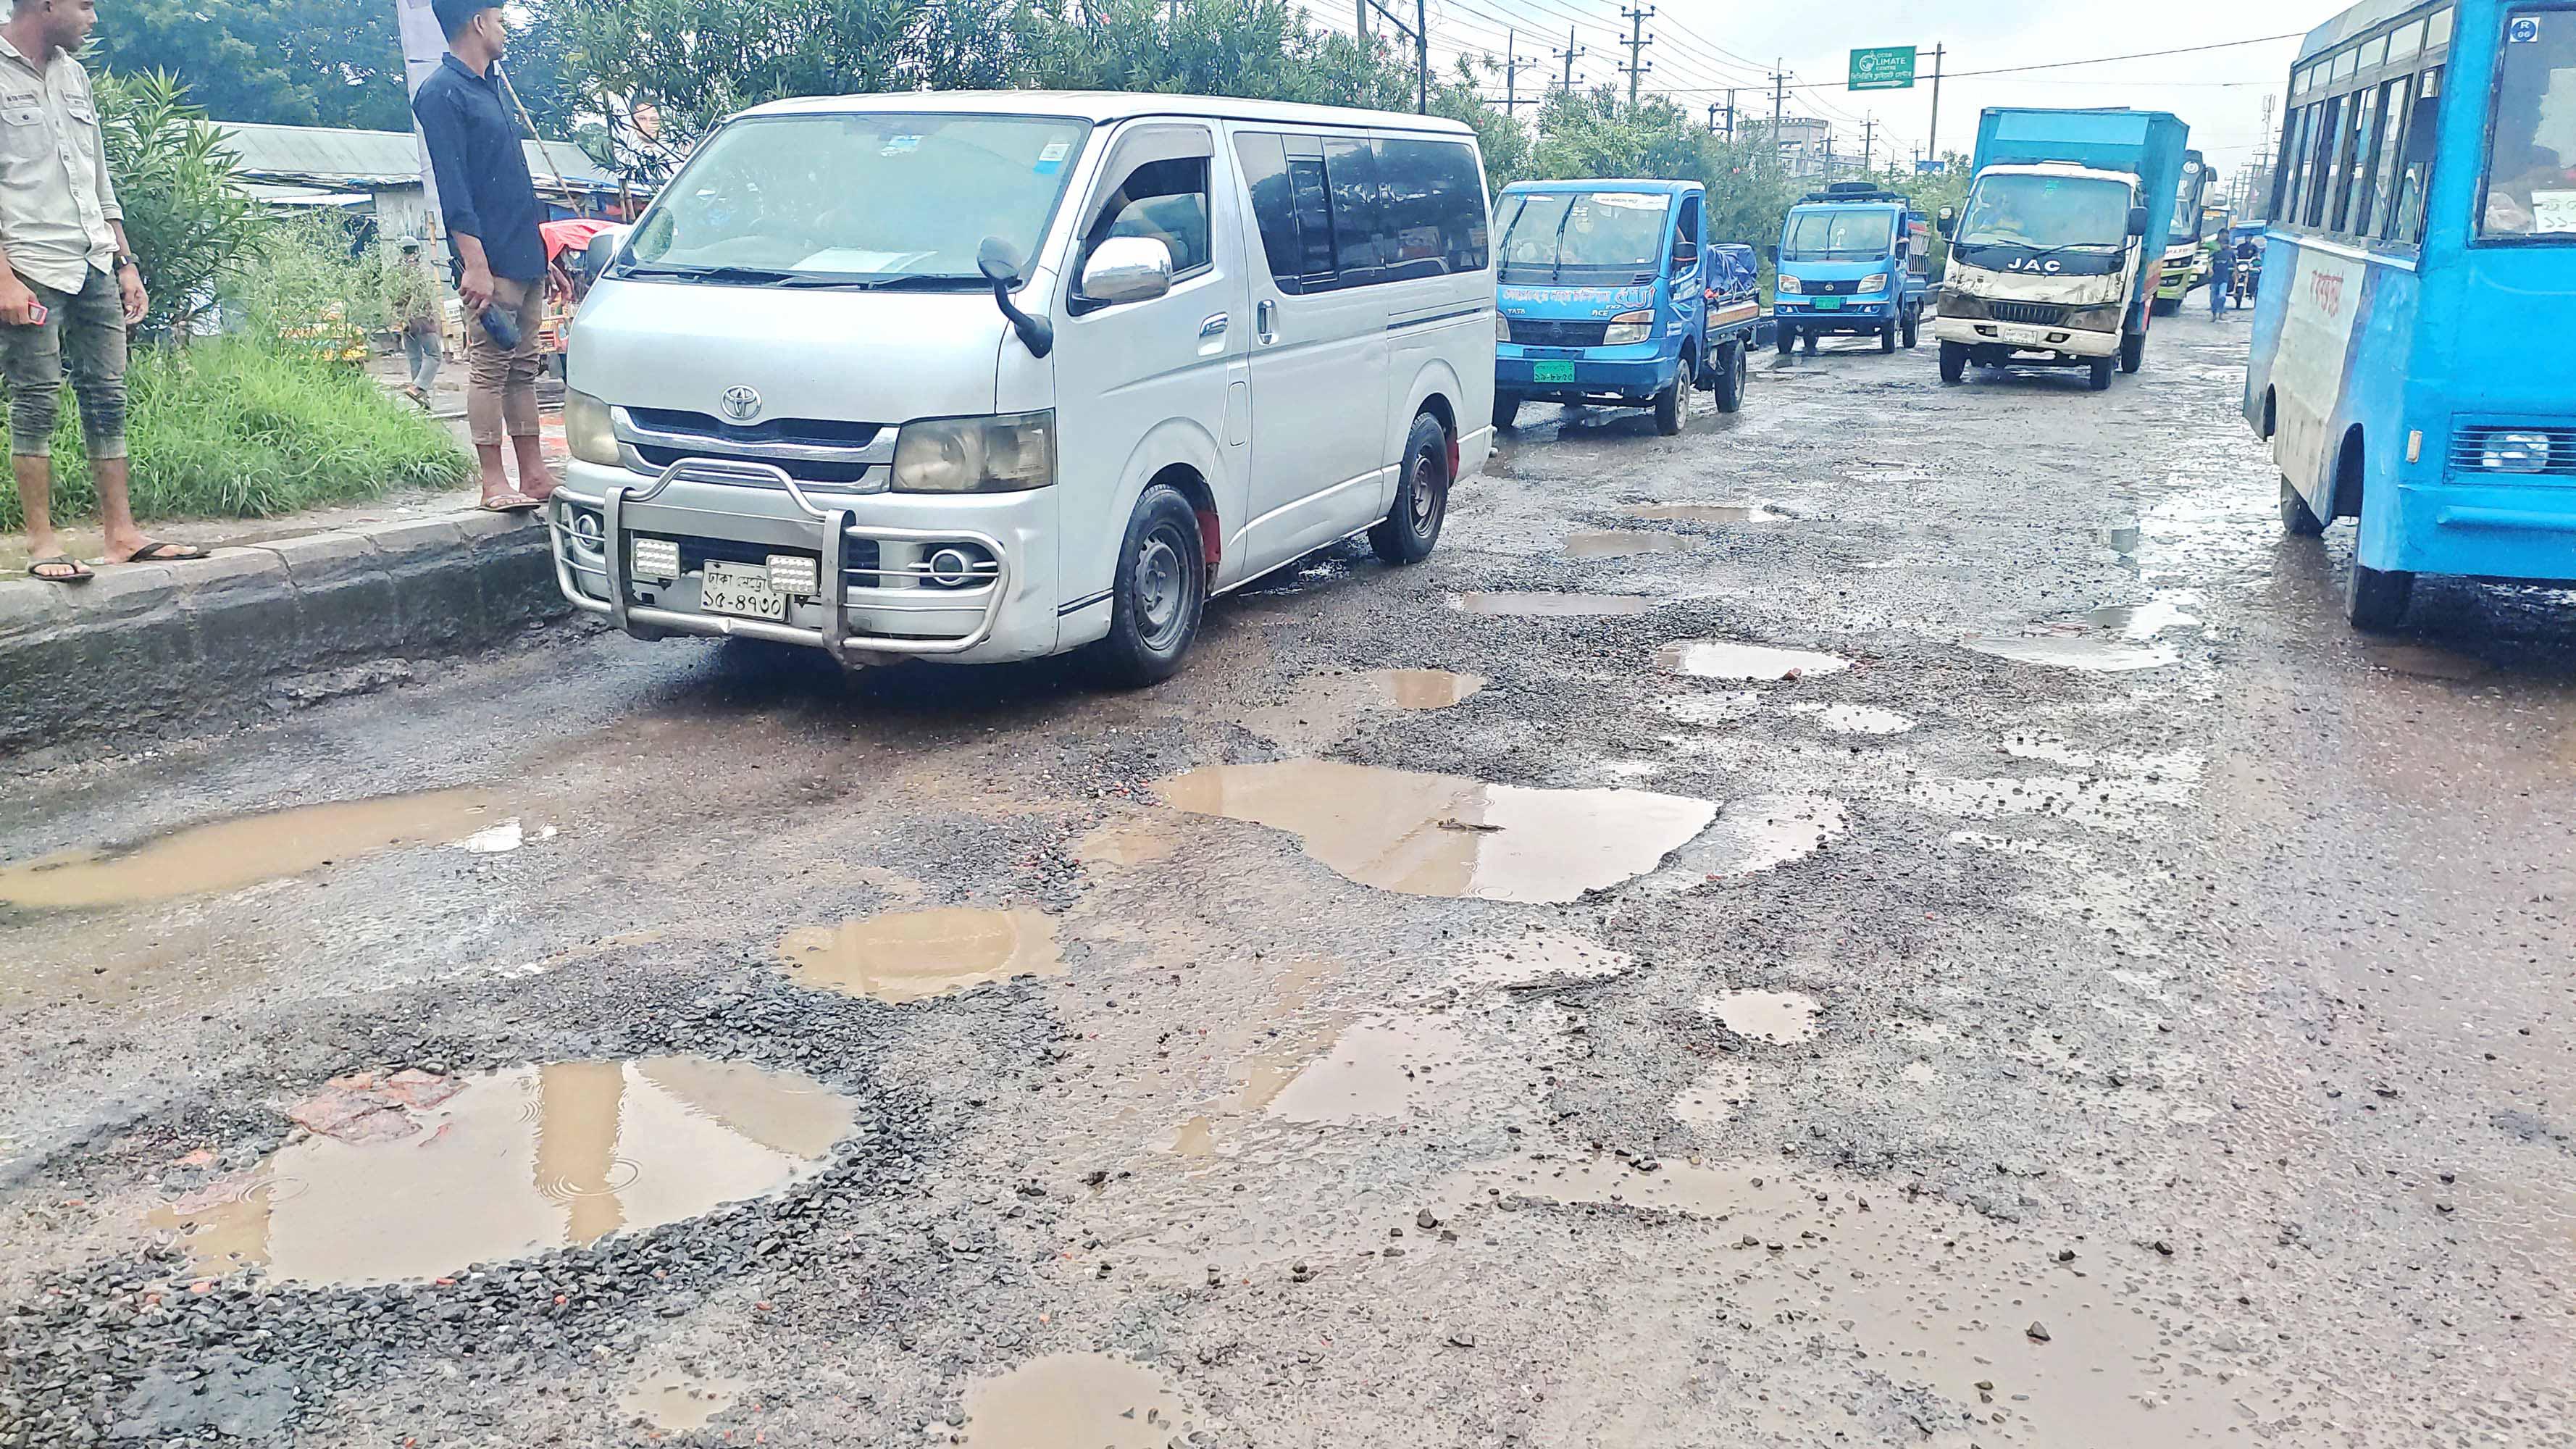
(68, 283)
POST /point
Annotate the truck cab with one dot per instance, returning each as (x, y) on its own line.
(1602, 295)
(1854, 261)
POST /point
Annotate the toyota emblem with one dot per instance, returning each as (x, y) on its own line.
(741, 404)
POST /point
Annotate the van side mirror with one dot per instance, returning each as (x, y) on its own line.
(1000, 263)
(1127, 269)
(1947, 222)
(1685, 256)
(596, 254)
(2137, 221)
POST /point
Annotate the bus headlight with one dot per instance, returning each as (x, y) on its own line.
(2515, 453)
(1010, 453)
(1786, 283)
(1629, 327)
(1875, 282)
(586, 429)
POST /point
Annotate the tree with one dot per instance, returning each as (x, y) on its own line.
(191, 226)
(291, 62)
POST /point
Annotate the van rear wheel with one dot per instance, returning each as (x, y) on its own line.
(1412, 526)
(1159, 594)
(1729, 374)
(1913, 324)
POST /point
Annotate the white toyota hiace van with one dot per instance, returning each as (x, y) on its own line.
(985, 376)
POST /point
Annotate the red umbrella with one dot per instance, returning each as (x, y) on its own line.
(563, 236)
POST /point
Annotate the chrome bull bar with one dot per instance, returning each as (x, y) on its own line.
(832, 527)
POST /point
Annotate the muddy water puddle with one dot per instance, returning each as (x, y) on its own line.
(228, 855)
(1383, 1068)
(1728, 659)
(516, 1163)
(1129, 841)
(1620, 543)
(1534, 605)
(2425, 661)
(1754, 834)
(1708, 513)
(677, 1404)
(1445, 835)
(1324, 707)
(1075, 1401)
(1930, 1294)
(909, 955)
(1856, 719)
(1781, 1017)
(2074, 651)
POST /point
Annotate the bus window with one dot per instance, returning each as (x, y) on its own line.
(2381, 174)
(2437, 31)
(2351, 159)
(2352, 200)
(2422, 117)
(2405, 40)
(2312, 209)
(2531, 159)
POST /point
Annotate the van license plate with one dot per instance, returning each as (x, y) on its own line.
(1551, 372)
(740, 589)
(1829, 304)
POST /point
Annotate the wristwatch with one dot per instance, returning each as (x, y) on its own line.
(126, 259)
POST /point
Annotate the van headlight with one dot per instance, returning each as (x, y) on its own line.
(587, 431)
(1007, 454)
(1502, 328)
(1786, 283)
(1875, 282)
(1629, 327)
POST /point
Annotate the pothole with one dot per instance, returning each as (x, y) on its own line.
(1726, 659)
(2074, 651)
(2425, 661)
(1324, 707)
(1856, 719)
(1128, 841)
(2142, 621)
(1751, 835)
(1381, 1068)
(227, 855)
(516, 1163)
(1445, 835)
(1535, 605)
(1783, 1017)
(677, 1404)
(1063, 1400)
(1708, 513)
(1920, 1074)
(909, 955)
(1619, 543)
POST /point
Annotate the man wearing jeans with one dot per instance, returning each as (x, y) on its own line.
(492, 212)
(68, 284)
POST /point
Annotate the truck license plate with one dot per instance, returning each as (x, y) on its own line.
(1551, 372)
(740, 589)
(1829, 304)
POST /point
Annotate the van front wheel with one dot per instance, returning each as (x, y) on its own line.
(1159, 594)
(1672, 405)
(1412, 526)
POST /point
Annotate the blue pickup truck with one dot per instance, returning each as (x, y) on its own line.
(1854, 260)
(1603, 296)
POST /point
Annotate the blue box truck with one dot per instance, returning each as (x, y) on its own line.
(2057, 252)
(1854, 261)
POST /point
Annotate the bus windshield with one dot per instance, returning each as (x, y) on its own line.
(1548, 233)
(1823, 233)
(2531, 160)
(2047, 213)
(871, 199)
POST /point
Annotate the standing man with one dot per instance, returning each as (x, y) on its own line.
(492, 212)
(68, 283)
(415, 299)
(2222, 277)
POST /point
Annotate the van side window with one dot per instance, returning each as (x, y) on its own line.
(1340, 211)
(1164, 200)
(1313, 196)
(1685, 247)
(1361, 247)
(1274, 206)
(1434, 196)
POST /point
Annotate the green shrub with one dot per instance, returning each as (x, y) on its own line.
(300, 280)
(190, 224)
(232, 428)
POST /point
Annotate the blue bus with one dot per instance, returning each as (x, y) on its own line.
(2411, 363)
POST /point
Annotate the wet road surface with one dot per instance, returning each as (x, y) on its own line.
(1901, 916)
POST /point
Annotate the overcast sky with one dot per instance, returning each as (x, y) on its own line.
(1704, 44)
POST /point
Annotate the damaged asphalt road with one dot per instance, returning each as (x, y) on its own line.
(1902, 916)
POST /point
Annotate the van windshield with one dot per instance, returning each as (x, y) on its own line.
(1826, 234)
(2047, 213)
(875, 199)
(1552, 234)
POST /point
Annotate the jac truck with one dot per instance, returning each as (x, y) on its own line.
(2057, 252)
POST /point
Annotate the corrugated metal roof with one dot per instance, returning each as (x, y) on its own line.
(323, 153)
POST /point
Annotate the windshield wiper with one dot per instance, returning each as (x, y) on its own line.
(757, 276)
(916, 282)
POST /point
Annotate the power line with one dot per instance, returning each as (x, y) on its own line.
(2055, 64)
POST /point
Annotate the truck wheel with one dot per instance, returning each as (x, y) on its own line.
(1730, 373)
(2375, 600)
(1887, 338)
(1507, 408)
(2133, 351)
(1412, 526)
(1954, 361)
(1672, 405)
(2296, 517)
(1159, 593)
(1786, 337)
(1913, 323)
(2101, 378)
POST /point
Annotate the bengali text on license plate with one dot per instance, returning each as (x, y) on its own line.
(1551, 372)
(740, 589)
(1829, 304)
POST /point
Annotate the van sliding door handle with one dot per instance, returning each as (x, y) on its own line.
(1265, 320)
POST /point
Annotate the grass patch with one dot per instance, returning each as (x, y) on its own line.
(229, 428)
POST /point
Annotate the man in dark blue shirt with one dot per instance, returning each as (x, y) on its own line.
(491, 208)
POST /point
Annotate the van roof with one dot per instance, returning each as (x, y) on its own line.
(1102, 106)
(1607, 183)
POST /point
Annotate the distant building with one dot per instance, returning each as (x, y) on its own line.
(376, 174)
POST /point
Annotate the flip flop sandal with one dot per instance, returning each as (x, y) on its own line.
(164, 553)
(79, 573)
(508, 503)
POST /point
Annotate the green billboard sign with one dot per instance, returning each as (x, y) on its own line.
(1883, 68)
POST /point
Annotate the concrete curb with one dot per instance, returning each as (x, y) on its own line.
(163, 643)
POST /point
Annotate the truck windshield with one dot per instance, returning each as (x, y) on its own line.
(873, 199)
(1834, 234)
(2047, 213)
(2531, 157)
(1548, 234)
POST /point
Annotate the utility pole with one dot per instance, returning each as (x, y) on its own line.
(1730, 115)
(1569, 55)
(1779, 80)
(1713, 109)
(1362, 30)
(1932, 142)
(1868, 141)
(1637, 41)
(1512, 64)
(1421, 59)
